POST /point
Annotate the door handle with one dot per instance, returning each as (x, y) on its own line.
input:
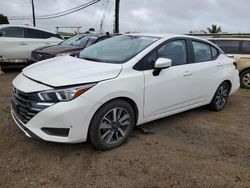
(23, 43)
(47, 43)
(187, 73)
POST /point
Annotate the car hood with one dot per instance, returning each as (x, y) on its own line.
(58, 49)
(67, 70)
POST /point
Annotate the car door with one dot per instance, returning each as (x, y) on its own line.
(171, 89)
(36, 38)
(205, 71)
(12, 43)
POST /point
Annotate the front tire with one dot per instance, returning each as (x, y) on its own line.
(245, 79)
(111, 125)
(220, 97)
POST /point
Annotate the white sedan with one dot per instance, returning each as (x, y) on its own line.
(17, 42)
(114, 85)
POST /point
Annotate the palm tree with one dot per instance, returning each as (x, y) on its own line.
(214, 29)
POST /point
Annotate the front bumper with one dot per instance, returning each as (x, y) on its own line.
(22, 126)
(74, 116)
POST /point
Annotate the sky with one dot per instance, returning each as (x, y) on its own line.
(161, 16)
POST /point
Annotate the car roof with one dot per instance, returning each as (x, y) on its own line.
(165, 35)
(25, 26)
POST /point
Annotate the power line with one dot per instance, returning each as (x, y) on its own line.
(73, 9)
(59, 14)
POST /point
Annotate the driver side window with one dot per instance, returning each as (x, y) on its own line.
(175, 50)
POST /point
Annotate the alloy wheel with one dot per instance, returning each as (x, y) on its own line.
(222, 95)
(246, 79)
(114, 125)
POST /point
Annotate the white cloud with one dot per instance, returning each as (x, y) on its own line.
(175, 16)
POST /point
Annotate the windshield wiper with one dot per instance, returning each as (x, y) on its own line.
(91, 59)
(95, 60)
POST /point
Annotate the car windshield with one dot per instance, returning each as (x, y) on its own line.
(78, 40)
(118, 49)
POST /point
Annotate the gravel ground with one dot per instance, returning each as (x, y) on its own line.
(198, 148)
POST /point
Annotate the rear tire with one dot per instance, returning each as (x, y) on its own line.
(245, 79)
(220, 97)
(111, 125)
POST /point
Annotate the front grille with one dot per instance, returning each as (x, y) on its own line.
(25, 105)
(35, 56)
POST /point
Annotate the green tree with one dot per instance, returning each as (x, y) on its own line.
(3, 19)
(92, 29)
(214, 29)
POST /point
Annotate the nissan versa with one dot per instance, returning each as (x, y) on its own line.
(110, 87)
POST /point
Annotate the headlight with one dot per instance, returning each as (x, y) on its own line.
(63, 95)
(63, 54)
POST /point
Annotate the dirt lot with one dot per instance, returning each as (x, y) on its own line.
(198, 148)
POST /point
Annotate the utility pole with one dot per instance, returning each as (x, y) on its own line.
(117, 12)
(33, 13)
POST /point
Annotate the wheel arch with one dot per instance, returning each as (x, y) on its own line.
(128, 100)
(248, 68)
(229, 83)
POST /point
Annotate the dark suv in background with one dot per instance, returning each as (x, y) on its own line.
(240, 49)
(72, 45)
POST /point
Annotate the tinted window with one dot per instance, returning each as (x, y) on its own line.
(215, 52)
(228, 46)
(91, 40)
(118, 49)
(202, 51)
(246, 47)
(16, 32)
(103, 38)
(32, 33)
(71, 40)
(150, 61)
(176, 51)
(79, 40)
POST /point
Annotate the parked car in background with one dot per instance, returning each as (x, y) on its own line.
(72, 45)
(17, 42)
(119, 83)
(240, 49)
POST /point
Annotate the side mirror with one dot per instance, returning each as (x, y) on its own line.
(161, 63)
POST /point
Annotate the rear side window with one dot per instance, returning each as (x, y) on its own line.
(229, 46)
(246, 47)
(37, 34)
(215, 52)
(202, 51)
(16, 32)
